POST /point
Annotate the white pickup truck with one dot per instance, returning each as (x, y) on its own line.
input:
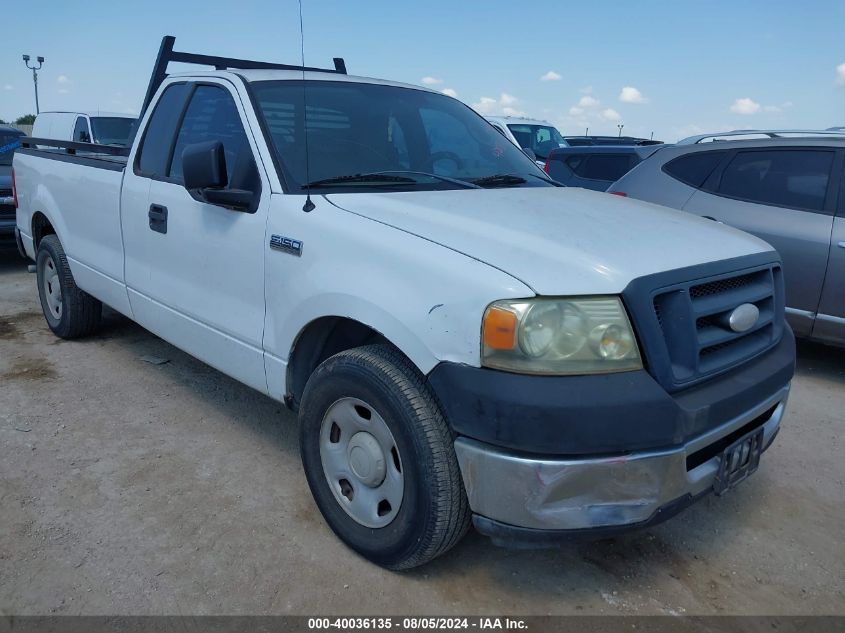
(464, 340)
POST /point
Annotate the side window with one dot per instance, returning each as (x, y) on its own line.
(80, 131)
(842, 196)
(796, 179)
(158, 137)
(213, 116)
(694, 169)
(602, 166)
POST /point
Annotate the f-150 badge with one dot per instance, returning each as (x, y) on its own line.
(286, 244)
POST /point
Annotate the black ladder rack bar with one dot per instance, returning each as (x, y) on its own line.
(166, 54)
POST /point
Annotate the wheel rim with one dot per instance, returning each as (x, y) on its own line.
(51, 287)
(361, 462)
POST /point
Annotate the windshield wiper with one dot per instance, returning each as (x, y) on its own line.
(497, 180)
(454, 181)
(353, 178)
(389, 177)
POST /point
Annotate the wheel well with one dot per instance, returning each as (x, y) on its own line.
(40, 227)
(320, 339)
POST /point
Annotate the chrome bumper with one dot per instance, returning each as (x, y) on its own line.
(578, 494)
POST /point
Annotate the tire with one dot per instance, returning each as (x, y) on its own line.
(434, 513)
(69, 311)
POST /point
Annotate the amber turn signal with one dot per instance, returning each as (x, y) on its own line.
(499, 328)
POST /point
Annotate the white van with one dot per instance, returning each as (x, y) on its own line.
(540, 137)
(103, 128)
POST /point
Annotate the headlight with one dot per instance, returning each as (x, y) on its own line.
(559, 336)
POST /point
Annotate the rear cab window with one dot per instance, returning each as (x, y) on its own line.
(154, 153)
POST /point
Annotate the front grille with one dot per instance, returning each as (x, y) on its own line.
(693, 320)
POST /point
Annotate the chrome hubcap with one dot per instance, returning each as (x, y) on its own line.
(361, 462)
(52, 288)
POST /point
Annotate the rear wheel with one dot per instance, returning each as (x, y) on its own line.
(69, 311)
(379, 458)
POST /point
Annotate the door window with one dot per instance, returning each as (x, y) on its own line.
(213, 116)
(80, 131)
(158, 137)
(796, 179)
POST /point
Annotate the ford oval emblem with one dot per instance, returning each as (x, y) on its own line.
(744, 317)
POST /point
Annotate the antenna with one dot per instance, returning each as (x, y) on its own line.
(309, 204)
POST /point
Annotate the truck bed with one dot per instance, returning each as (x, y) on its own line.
(79, 193)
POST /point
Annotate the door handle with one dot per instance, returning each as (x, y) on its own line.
(842, 244)
(158, 218)
(710, 217)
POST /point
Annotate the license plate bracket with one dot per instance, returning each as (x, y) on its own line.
(738, 461)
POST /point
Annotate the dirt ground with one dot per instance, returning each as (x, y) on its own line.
(133, 488)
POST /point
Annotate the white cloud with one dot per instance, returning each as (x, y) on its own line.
(8, 87)
(840, 74)
(430, 81)
(551, 76)
(64, 84)
(630, 94)
(485, 105)
(745, 105)
(586, 90)
(576, 111)
(610, 115)
(778, 108)
(449, 92)
(588, 102)
(504, 105)
(508, 111)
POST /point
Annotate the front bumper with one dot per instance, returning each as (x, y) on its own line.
(554, 456)
(599, 493)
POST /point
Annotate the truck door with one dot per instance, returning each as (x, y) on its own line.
(830, 321)
(782, 196)
(195, 271)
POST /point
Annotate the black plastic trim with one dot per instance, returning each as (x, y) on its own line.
(603, 414)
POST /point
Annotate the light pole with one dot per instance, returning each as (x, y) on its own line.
(34, 70)
(620, 126)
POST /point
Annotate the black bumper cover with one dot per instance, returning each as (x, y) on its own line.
(601, 414)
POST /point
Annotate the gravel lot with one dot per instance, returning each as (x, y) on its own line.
(133, 488)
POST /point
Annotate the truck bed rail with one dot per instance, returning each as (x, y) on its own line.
(72, 147)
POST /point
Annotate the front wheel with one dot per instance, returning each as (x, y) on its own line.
(379, 458)
(69, 311)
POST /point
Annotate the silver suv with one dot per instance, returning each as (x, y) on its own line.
(787, 187)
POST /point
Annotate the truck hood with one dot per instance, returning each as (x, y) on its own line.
(557, 240)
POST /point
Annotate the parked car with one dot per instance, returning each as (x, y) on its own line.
(537, 137)
(102, 128)
(463, 339)
(581, 141)
(786, 188)
(9, 142)
(595, 167)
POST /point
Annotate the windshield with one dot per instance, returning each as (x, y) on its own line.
(421, 139)
(111, 130)
(542, 139)
(8, 144)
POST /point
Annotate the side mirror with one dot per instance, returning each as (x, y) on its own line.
(530, 153)
(204, 166)
(206, 178)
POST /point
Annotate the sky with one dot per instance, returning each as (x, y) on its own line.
(668, 68)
